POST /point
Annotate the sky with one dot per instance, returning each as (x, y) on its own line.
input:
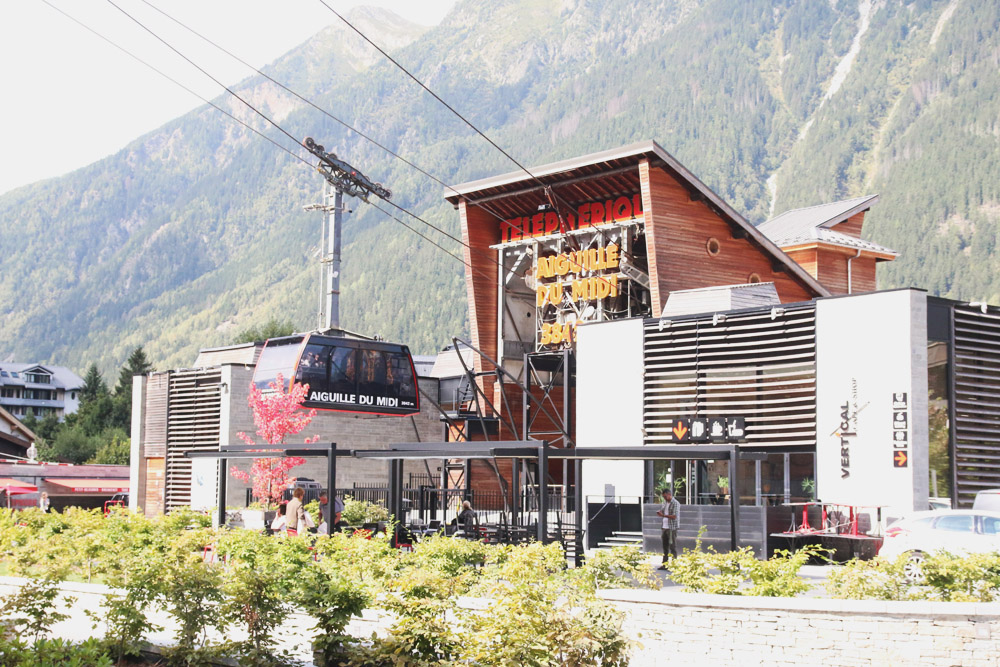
(70, 98)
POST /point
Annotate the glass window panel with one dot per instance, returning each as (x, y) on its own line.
(343, 370)
(400, 377)
(314, 366)
(958, 524)
(991, 525)
(802, 482)
(275, 359)
(772, 480)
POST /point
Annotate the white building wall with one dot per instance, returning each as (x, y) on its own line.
(871, 400)
(609, 371)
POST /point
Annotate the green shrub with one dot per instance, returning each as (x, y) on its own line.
(54, 653)
(618, 567)
(877, 579)
(332, 600)
(741, 573)
(358, 512)
(946, 577)
(31, 611)
(972, 578)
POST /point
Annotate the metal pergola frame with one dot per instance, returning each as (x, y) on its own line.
(539, 450)
(543, 452)
(244, 451)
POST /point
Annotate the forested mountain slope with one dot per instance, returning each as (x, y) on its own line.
(196, 230)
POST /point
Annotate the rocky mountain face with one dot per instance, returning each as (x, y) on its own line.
(196, 230)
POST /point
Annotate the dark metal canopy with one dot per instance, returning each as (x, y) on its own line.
(509, 449)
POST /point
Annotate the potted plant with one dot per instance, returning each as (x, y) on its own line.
(809, 487)
(723, 483)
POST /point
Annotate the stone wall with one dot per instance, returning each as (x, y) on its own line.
(676, 628)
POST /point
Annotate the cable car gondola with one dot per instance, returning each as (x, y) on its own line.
(344, 374)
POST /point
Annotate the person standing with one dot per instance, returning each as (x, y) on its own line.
(670, 512)
(43, 502)
(324, 509)
(295, 514)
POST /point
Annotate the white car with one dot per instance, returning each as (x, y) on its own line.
(955, 531)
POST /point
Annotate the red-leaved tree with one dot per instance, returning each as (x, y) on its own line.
(277, 415)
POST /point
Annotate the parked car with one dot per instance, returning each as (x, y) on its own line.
(988, 499)
(939, 503)
(955, 531)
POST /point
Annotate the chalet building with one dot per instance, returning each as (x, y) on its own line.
(43, 389)
(621, 234)
(826, 241)
(15, 437)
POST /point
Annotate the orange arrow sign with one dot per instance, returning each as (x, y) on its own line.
(900, 459)
(680, 430)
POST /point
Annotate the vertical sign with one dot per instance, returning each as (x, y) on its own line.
(871, 400)
(204, 484)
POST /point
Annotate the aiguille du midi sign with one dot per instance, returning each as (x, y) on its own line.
(709, 429)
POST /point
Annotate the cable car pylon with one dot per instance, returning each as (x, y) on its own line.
(341, 178)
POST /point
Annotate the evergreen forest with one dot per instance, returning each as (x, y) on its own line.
(195, 234)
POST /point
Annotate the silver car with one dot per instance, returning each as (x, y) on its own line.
(957, 532)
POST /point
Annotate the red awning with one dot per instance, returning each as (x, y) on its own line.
(89, 485)
(15, 486)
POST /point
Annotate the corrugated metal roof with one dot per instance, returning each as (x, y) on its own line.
(244, 353)
(821, 234)
(798, 221)
(720, 299)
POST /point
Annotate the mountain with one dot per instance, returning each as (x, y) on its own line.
(196, 230)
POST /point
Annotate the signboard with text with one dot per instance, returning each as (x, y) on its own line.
(871, 400)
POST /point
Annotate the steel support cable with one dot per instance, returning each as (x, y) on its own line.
(428, 239)
(547, 188)
(327, 114)
(293, 138)
(205, 72)
(290, 136)
(248, 126)
(176, 82)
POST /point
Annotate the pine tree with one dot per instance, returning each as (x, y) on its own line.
(94, 385)
(136, 364)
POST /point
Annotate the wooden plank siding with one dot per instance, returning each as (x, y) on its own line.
(828, 264)
(677, 231)
(480, 230)
(852, 226)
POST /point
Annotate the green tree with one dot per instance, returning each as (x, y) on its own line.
(115, 450)
(273, 328)
(136, 364)
(94, 385)
(71, 445)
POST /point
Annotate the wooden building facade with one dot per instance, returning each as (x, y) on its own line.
(610, 236)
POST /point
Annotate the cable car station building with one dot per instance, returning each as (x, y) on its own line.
(616, 301)
(640, 309)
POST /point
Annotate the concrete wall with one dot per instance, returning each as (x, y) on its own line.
(677, 628)
(674, 628)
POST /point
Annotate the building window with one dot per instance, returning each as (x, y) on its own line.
(713, 247)
(753, 278)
